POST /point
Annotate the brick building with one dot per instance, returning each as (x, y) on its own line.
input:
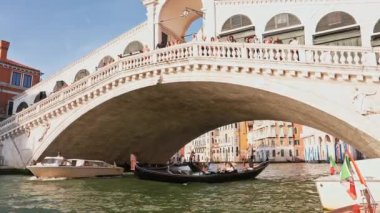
(14, 79)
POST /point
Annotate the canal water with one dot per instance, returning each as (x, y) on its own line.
(280, 188)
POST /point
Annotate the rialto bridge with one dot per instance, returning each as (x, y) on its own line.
(113, 101)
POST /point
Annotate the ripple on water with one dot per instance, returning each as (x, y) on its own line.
(280, 188)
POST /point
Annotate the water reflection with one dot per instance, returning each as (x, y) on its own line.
(280, 188)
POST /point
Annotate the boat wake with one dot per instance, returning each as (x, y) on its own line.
(34, 178)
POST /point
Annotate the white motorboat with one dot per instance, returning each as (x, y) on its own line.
(333, 194)
(59, 167)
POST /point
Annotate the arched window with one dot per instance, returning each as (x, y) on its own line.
(235, 22)
(21, 106)
(377, 27)
(335, 20)
(133, 48)
(286, 27)
(327, 138)
(283, 20)
(59, 85)
(41, 95)
(105, 61)
(337, 29)
(81, 74)
(376, 35)
(239, 26)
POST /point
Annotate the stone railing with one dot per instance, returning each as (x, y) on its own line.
(226, 2)
(103, 48)
(344, 57)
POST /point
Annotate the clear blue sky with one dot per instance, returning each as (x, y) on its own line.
(49, 34)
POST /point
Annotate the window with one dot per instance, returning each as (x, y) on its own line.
(105, 61)
(16, 79)
(81, 74)
(237, 151)
(290, 153)
(283, 20)
(282, 153)
(281, 141)
(59, 85)
(21, 106)
(133, 48)
(297, 154)
(377, 27)
(10, 108)
(274, 153)
(237, 21)
(335, 20)
(27, 81)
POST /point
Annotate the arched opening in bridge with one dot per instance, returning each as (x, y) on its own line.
(59, 85)
(337, 29)
(135, 47)
(81, 74)
(105, 61)
(195, 30)
(21, 106)
(239, 26)
(128, 122)
(376, 35)
(175, 18)
(286, 27)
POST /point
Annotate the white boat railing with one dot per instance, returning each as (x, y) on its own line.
(344, 57)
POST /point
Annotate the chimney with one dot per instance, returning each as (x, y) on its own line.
(4, 46)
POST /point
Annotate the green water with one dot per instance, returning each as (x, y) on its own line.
(280, 188)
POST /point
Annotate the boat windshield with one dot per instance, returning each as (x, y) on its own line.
(52, 161)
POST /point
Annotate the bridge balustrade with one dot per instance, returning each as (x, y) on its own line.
(281, 53)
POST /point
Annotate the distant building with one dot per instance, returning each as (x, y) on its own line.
(225, 144)
(201, 146)
(319, 146)
(273, 140)
(299, 146)
(15, 78)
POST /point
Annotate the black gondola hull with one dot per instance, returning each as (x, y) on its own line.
(164, 176)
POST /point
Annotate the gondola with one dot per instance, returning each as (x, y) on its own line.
(176, 174)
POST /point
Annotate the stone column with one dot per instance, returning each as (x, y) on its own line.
(151, 20)
(209, 17)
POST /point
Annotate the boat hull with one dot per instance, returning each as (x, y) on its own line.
(74, 172)
(163, 176)
(333, 194)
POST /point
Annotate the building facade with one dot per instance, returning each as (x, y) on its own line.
(15, 78)
(299, 145)
(225, 144)
(319, 146)
(273, 140)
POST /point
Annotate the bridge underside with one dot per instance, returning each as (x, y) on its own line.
(156, 121)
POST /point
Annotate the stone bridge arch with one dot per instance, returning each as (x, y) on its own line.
(156, 116)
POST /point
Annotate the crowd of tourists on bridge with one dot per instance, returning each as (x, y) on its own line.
(230, 39)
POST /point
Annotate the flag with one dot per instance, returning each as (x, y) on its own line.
(332, 165)
(346, 177)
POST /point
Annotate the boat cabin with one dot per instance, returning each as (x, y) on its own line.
(53, 161)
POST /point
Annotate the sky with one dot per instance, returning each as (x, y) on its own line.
(50, 34)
